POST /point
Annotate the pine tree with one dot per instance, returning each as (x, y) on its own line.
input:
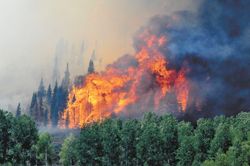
(41, 89)
(40, 111)
(18, 110)
(33, 106)
(66, 79)
(47, 115)
(61, 100)
(56, 74)
(54, 105)
(91, 68)
(49, 94)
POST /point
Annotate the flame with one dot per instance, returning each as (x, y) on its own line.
(124, 91)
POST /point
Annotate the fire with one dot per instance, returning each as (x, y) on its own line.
(125, 91)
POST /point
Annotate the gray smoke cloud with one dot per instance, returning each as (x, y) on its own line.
(214, 44)
(36, 33)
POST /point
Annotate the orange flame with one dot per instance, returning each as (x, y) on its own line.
(116, 90)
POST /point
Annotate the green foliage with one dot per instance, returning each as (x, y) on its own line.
(129, 136)
(111, 142)
(19, 141)
(242, 124)
(68, 153)
(163, 140)
(203, 135)
(169, 133)
(221, 140)
(237, 155)
(17, 136)
(153, 140)
(6, 123)
(23, 137)
(44, 149)
(186, 151)
(89, 146)
(149, 150)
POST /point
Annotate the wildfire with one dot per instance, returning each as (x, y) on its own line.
(125, 91)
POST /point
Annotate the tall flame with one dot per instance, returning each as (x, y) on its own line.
(119, 91)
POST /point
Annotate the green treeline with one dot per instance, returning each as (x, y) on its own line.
(21, 144)
(161, 140)
(153, 140)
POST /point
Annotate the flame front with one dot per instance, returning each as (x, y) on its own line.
(119, 91)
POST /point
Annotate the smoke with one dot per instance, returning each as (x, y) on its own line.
(30, 31)
(213, 43)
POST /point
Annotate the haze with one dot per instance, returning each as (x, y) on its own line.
(30, 31)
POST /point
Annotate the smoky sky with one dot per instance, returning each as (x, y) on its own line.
(213, 43)
(33, 33)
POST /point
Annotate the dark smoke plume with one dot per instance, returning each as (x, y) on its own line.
(214, 44)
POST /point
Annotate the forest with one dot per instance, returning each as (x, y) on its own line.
(153, 83)
(151, 140)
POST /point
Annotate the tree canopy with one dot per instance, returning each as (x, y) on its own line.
(162, 140)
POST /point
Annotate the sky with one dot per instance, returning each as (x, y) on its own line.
(32, 32)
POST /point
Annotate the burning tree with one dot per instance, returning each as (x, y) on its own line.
(128, 91)
(184, 64)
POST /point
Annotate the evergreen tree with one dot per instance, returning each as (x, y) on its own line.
(41, 89)
(91, 68)
(34, 107)
(49, 94)
(40, 111)
(18, 110)
(46, 117)
(54, 106)
(48, 106)
(58, 103)
(66, 79)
